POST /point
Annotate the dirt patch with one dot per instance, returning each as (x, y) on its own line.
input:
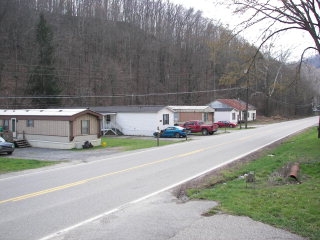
(287, 174)
(273, 119)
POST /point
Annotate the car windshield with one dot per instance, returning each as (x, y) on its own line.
(2, 140)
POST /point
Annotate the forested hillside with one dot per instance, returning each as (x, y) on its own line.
(71, 53)
(314, 61)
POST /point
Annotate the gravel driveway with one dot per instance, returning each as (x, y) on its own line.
(63, 155)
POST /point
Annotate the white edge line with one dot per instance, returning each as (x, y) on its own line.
(155, 193)
(79, 224)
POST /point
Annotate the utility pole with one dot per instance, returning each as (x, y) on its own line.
(246, 71)
(247, 107)
(240, 113)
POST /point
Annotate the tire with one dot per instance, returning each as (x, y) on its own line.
(9, 153)
(204, 131)
(177, 135)
(211, 133)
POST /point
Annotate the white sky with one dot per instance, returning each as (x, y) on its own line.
(294, 41)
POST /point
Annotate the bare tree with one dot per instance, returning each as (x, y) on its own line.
(282, 16)
(133, 52)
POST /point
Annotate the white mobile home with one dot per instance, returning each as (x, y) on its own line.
(134, 120)
(232, 110)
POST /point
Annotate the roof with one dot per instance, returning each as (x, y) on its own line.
(225, 109)
(128, 109)
(191, 108)
(46, 113)
(231, 103)
(150, 109)
(41, 112)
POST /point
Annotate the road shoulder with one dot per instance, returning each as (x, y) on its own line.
(163, 217)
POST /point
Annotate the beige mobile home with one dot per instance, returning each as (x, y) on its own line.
(186, 113)
(53, 128)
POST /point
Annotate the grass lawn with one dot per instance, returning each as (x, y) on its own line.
(273, 198)
(13, 165)
(133, 143)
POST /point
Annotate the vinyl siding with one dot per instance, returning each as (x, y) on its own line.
(44, 127)
(94, 125)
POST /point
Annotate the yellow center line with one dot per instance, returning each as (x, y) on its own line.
(44, 191)
(244, 138)
(62, 187)
(81, 182)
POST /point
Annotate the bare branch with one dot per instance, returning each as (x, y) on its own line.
(302, 15)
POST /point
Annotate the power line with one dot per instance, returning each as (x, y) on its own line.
(117, 95)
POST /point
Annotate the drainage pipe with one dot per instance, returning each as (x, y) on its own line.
(294, 171)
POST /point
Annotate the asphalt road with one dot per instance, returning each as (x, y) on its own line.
(39, 204)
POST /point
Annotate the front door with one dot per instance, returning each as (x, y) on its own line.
(14, 127)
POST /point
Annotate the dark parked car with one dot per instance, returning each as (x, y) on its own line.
(226, 124)
(175, 131)
(6, 147)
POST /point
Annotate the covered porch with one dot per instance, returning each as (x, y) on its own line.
(109, 124)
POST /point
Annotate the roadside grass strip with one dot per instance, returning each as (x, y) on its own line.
(13, 165)
(274, 198)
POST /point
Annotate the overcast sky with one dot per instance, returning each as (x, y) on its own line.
(294, 41)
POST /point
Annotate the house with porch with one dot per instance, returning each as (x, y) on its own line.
(145, 120)
(134, 120)
(233, 110)
(53, 128)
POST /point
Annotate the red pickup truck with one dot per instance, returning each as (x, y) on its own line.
(196, 126)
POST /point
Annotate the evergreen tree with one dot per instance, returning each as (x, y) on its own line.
(43, 82)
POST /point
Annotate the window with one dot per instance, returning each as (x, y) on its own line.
(233, 116)
(30, 123)
(85, 127)
(165, 119)
(6, 125)
(205, 117)
(176, 117)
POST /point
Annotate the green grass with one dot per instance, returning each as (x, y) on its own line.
(133, 144)
(13, 165)
(273, 198)
(126, 144)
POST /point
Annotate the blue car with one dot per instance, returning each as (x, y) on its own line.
(174, 131)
